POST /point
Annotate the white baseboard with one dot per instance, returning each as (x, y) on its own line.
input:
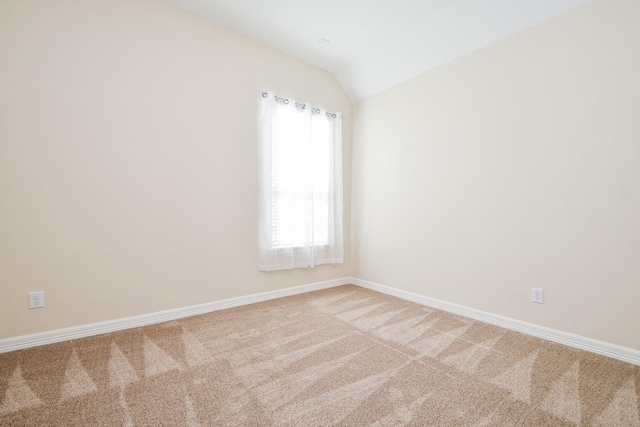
(600, 347)
(58, 335)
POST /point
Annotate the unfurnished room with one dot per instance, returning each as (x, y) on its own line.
(295, 213)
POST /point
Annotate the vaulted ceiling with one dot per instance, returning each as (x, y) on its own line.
(371, 45)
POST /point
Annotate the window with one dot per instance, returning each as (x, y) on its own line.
(300, 205)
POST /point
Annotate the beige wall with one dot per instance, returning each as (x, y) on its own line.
(128, 160)
(514, 167)
(128, 168)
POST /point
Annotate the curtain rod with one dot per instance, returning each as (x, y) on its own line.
(286, 101)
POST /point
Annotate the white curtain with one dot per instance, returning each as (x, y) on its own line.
(300, 185)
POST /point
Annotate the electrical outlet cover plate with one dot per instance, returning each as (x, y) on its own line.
(537, 295)
(36, 299)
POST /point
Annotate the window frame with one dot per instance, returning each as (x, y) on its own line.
(306, 253)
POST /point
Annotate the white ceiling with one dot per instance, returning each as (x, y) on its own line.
(376, 44)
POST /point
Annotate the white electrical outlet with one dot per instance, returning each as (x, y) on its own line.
(537, 295)
(36, 299)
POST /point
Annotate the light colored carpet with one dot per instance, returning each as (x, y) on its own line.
(344, 356)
